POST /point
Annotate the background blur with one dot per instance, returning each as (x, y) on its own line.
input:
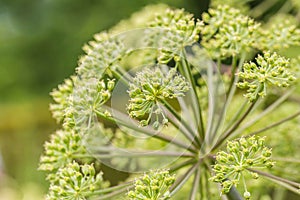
(40, 42)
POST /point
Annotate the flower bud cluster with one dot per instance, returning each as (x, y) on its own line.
(148, 91)
(60, 96)
(227, 32)
(178, 30)
(241, 155)
(102, 53)
(60, 150)
(87, 98)
(239, 4)
(76, 182)
(278, 36)
(295, 64)
(270, 70)
(152, 186)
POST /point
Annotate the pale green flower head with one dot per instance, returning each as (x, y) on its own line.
(270, 70)
(152, 186)
(60, 150)
(239, 4)
(86, 101)
(176, 30)
(227, 32)
(60, 96)
(279, 35)
(75, 182)
(97, 60)
(148, 91)
(241, 155)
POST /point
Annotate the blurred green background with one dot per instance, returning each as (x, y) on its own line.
(40, 42)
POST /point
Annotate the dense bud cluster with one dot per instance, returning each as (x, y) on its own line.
(74, 182)
(270, 70)
(239, 4)
(152, 186)
(241, 155)
(61, 96)
(60, 150)
(150, 88)
(178, 30)
(278, 36)
(227, 32)
(85, 102)
(96, 60)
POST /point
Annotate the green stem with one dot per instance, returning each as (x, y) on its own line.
(235, 126)
(276, 123)
(144, 154)
(114, 188)
(155, 134)
(273, 177)
(259, 10)
(115, 193)
(195, 104)
(183, 179)
(258, 117)
(181, 165)
(231, 90)
(190, 133)
(289, 160)
(195, 186)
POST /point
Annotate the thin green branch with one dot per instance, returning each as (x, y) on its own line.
(258, 117)
(231, 90)
(194, 190)
(174, 168)
(135, 126)
(132, 154)
(187, 131)
(195, 103)
(276, 123)
(183, 179)
(290, 185)
(235, 126)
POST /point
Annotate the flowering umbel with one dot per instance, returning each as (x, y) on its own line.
(75, 182)
(152, 186)
(270, 70)
(241, 155)
(150, 89)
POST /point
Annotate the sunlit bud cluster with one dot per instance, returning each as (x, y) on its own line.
(85, 102)
(102, 53)
(178, 29)
(60, 96)
(227, 32)
(270, 70)
(239, 4)
(149, 89)
(60, 150)
(152, 186)
(241, 155)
